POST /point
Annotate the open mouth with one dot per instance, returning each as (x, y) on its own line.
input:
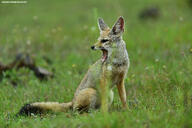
(105, 55)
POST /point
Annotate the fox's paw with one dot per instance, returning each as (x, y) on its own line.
(28, 110)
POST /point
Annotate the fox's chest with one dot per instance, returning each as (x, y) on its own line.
(117, 73)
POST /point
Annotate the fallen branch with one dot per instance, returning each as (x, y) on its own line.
(25, 61)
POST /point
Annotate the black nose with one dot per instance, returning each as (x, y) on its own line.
(92, 47)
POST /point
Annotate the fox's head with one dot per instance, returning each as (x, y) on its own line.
(108, 37)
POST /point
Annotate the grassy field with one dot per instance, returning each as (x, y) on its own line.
(159, 81)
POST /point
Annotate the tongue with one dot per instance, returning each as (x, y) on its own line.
(104, 57)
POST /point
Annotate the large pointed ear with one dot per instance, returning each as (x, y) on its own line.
(102, 25)
(118, 28)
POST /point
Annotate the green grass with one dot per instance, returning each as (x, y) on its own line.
(159, 81)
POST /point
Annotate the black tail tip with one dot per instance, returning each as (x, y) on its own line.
(28, 110)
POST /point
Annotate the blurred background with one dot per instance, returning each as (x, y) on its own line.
(158, 34)
(65, 25)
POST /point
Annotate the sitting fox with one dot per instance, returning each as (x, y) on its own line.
(114, 60)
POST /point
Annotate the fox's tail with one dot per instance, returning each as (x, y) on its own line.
(41, 107)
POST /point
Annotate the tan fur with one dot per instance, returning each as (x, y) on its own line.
(85, 99)
(121, 89)
(104, 34)
(53, 106)
(87, 94)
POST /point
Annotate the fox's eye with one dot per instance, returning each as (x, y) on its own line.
(104, 40)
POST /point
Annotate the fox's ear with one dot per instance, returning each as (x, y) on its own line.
(118, 28)
(102, 25)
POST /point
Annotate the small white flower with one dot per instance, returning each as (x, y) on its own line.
(54, 30)
(35, 17)
(69, 72)
(93, 28)
(156, 60)
(147, 68)
(25, 29)
(28, 42)
(181, 18)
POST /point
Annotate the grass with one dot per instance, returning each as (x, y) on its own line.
(159, 80)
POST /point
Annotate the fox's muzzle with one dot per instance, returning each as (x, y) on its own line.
(93, 47)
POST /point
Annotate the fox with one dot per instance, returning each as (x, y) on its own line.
(114, 61)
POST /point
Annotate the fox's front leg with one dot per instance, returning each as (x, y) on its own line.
(122, 92)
